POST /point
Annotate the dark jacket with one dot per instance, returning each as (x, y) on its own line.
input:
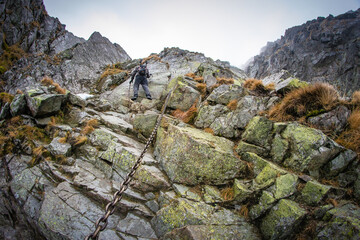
(138, 76)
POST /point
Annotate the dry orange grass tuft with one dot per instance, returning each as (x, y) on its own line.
(58, 89)
(244, 211)
(253, 84)
(18, 91)
(299, 102)
(87, 130)
(356, 98)
(209, 130)
(47, 81)
(202, 88)
(354, 120)
(270, 87)
(227, 81)
(93, 122)
(6, 97)
(192, 75)
(187, 116)
(199, 79)
(351, 137)
(227, 193)
(333, 202)
(80, 140)
(90, 126)
(153, 56)
(232, 105)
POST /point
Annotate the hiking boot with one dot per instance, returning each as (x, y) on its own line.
(133, 98)
(149, 98)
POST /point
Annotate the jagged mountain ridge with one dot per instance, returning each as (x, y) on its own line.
(324, 49)
(51, 50)
(229, 175)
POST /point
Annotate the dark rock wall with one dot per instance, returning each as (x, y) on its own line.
(325, 49)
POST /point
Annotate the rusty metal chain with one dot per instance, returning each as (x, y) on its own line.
(102, 222)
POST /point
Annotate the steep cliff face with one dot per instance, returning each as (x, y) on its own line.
(325, 49)
(49, 49)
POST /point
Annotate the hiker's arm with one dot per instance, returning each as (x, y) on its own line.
(133, 74)
(147, 73)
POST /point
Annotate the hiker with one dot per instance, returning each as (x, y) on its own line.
(142, 74)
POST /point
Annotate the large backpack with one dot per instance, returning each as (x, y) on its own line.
(142, 70)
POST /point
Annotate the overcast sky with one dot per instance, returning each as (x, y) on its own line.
(229, 30)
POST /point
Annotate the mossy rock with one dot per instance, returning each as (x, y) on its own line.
(182, 212)
(314, 192)
(247, 147)
(309, 148)
(241, 191)
(266, 201)
(223, 232)
(341, 223)
(190, 156)
(282, 220)
(259, 132)
(145, 123)
(285, 186)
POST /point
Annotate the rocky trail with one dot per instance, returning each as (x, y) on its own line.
(233, 158)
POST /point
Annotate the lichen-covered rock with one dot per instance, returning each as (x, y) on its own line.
(282, 220)
(279, 148)
(212, 194)
(243, 147)
(341, 223)
(259, 132)
(183, 97)
(191, 156)
(186, 192)
(285, 186)
(314, 192)
(241, 191)
(309, 150)
(136, 226)
(74, 215)
(182, 212)
(225, 93)
(59, 148)
(266, 201)
(199, 232)
(268, 176)
(231, 124)
(76, 100)
(18, 105)
(334, 120)
(145, 123)
(5, 111)
(284, 82)
(338, 164)
(45, 104)
(208, 113)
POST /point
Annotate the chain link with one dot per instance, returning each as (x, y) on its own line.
(102, 222)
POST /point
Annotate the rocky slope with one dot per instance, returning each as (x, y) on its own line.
(50, 49)
(324, 49)
(218, 169)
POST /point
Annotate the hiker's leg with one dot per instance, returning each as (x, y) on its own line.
(146, 89)
(136, 88)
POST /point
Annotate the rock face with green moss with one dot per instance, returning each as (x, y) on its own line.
(181, 213)
(282, 219)
(191, 156)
